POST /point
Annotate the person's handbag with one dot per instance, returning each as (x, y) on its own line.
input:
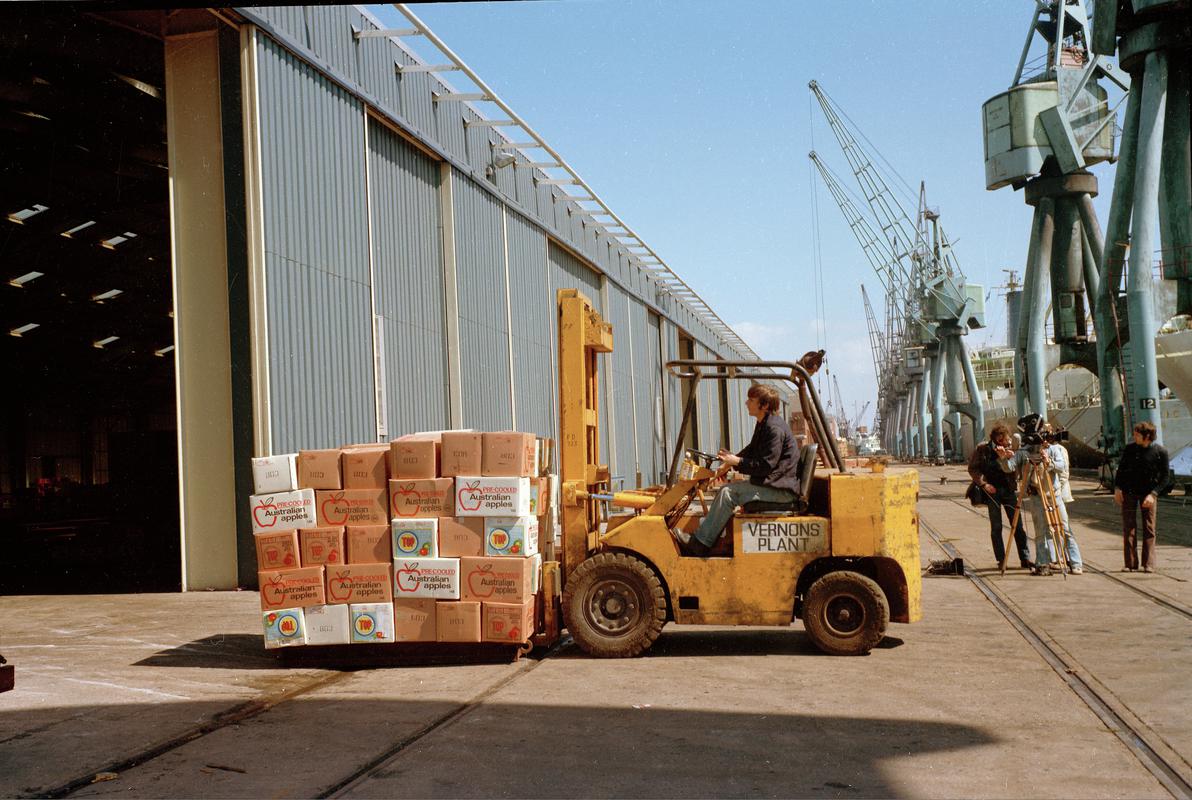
(974, 494)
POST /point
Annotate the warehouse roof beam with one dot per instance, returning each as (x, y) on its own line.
(387, 33)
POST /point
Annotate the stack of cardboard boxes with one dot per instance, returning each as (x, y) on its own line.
(431, 538)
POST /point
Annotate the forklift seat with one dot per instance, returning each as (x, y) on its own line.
(806, 470)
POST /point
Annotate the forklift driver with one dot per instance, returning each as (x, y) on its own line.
(770, 460)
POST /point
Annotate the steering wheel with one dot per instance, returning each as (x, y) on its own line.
(700, 454)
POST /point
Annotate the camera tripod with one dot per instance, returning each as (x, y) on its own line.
(1034, 477)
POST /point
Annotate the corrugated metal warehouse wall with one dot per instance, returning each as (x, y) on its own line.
(316, 254)
(516, 242)
(408, 272)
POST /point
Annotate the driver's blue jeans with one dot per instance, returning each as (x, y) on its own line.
(731, 495)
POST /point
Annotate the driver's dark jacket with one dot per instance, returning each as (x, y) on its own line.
(772, 456)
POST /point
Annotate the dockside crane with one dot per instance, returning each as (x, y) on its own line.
(946, 307)
(880, 359)
(897, 387)
(1041, 135)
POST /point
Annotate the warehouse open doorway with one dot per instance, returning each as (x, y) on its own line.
(89, 446)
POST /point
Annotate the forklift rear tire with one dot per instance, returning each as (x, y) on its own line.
(614, 606)
(846, 613)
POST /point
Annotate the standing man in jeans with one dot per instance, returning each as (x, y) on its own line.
(999, 492)
(1140, 474)
(771, 461)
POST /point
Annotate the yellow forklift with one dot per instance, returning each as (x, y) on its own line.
(843, 557)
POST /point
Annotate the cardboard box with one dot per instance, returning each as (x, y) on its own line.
(437, 578)
(461, 453)
(539, 497)
(275, 474)
(368, 544)
(371, 622)
(461, 536)
(491, 497)
(328, 624)
(510, 536)
(422, 499)
(283, 511)
(277, 550)
(458, 622)
(413, 459)
(366, 467)
(319, 469)
(512, 623)
(509, 454)
(497, 580)
(322, 546)
(352, 507)
(283, 628)
(360, 583)
(291, 588)
(415, 620)
(415, 538)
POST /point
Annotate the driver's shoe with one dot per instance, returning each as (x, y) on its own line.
(696, 548)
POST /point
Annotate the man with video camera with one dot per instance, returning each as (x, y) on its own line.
(1042, 453)
(994, 488)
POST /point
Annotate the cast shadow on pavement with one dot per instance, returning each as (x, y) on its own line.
(247, 651)
(544, 748)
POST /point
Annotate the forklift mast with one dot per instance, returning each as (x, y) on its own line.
(583, 335)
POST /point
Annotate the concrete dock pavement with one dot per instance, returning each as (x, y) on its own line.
(177, 692)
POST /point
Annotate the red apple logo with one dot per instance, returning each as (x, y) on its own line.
(514, 632)
(340, 587)
(262, 513)
(407, 500)
(476, 581)
(272, 618)
(333, 557)
(333, 513)
(288, 560)
(515, 547)
(408, 578)
(425, 551)
(274, 591)
(472, 503)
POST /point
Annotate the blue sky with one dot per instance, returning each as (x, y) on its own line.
(693, 121)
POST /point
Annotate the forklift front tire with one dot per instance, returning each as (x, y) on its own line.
(846, 613)
(614, 606)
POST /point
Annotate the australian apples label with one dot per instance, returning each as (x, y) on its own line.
(432, 497)
(283, 628)
(371, 622)
(359, 583)
(283, 511)
(415, 538)
(501, 580)
(352, 507)
(489, 497)
(805, 536)
(426, 577)
(291, 588)
(510, 536)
